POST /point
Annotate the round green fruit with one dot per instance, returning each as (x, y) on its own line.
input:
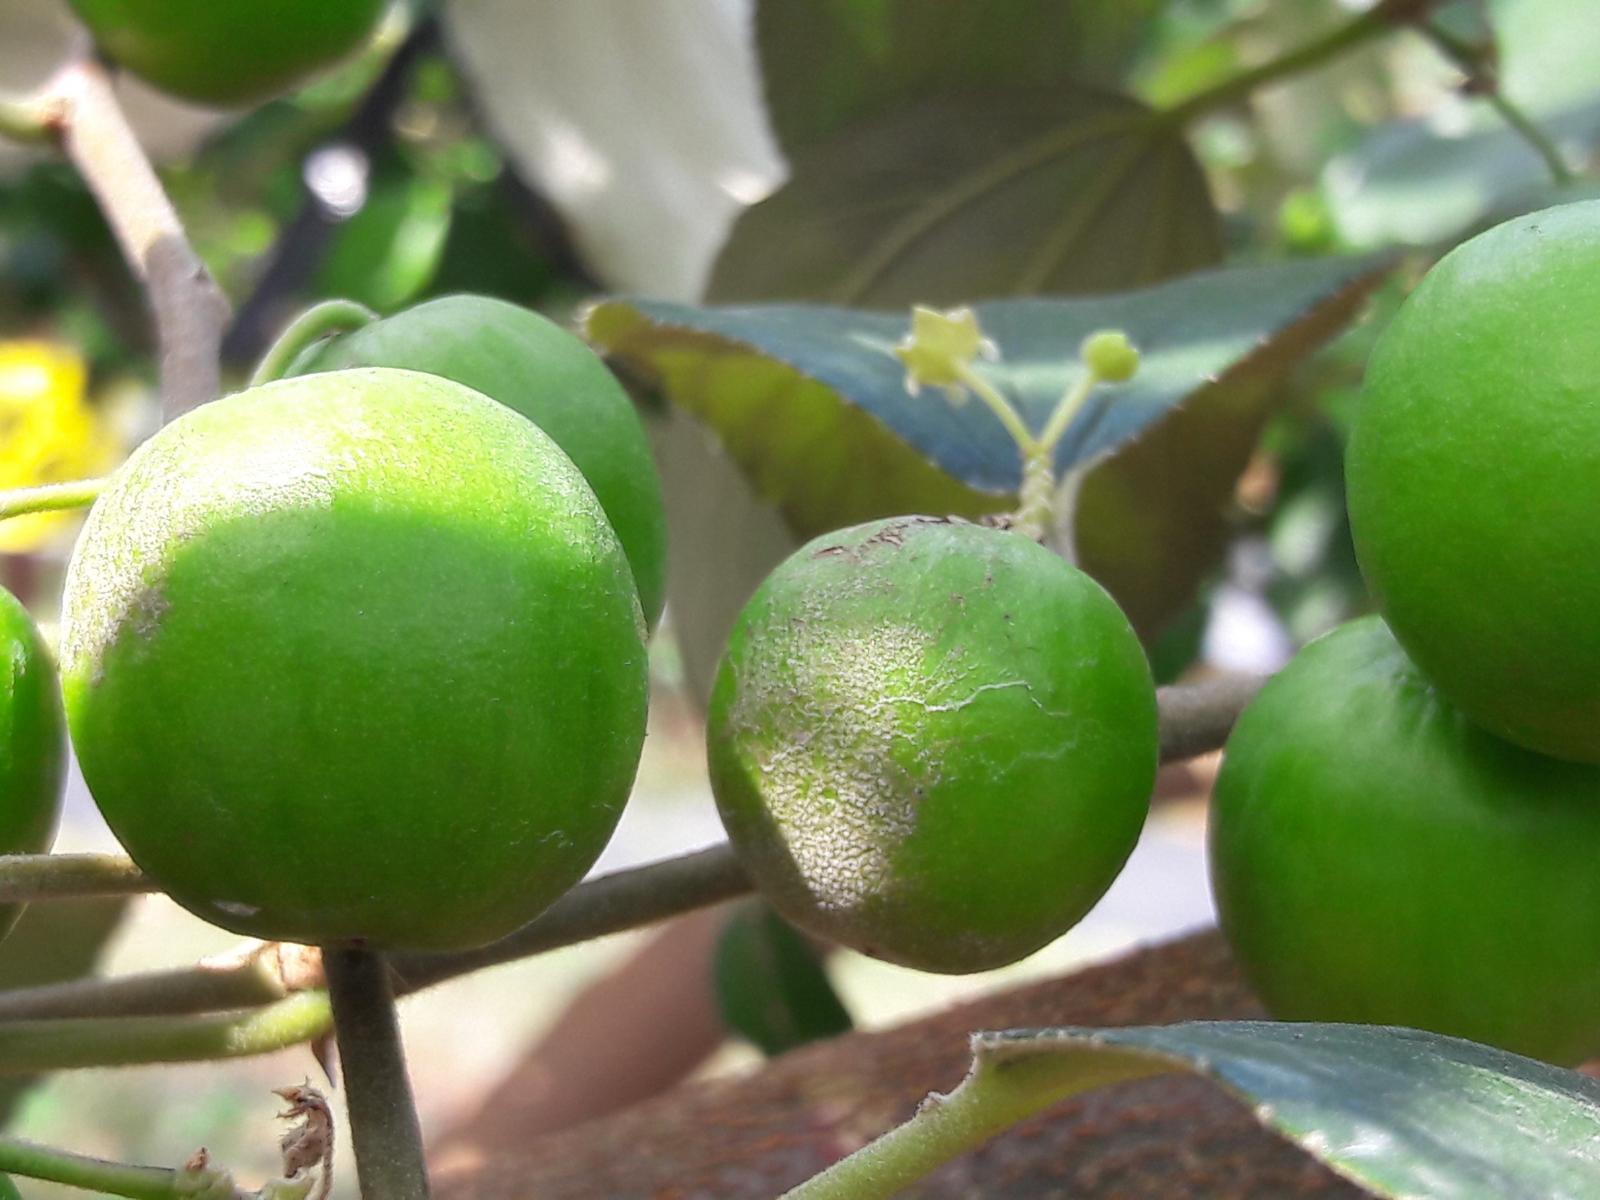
(33, 741)
(548, 375)
(227, 52)
(1474, 479)
(933, 742)
(1378, 858)
(355, 656)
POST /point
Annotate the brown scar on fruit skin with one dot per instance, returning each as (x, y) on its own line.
(892, 534)
(757, 1135)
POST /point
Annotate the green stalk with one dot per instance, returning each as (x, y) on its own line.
(1474, 62)
(50, 497)
(1382, 18)
(30, 1046)
(33, 1161)
(316, 323)
(383, 1116)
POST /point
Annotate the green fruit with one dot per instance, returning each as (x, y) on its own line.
(1474, 479)
(932, 741)
(33, 741)
(549, 376)
(355, 656)
(227, 51)
(1378, 858)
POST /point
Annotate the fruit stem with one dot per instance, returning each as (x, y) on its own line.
(33, 1161)
(383, 1116)
(316, 323)
(50, 497)
(28, 1046)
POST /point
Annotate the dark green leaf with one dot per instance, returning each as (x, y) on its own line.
(991, 193)
(387, 252)
(811, 405)
(770, 983)
(1400, 1112)
(826, 63)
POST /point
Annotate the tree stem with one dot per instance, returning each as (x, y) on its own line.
(1382, 18)
(50, 497)
(81, 111)
(317, 322)
(383, 1117)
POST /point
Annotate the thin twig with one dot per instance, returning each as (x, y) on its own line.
(25, 877)
(383, 1116)
(1478, 64)
(1195, 719)
(190, 310)
(50, 497)
(1382, 18)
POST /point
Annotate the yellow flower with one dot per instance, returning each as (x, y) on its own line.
(48, 433)
(939, 345)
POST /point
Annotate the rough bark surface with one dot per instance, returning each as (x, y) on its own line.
(754, 1136)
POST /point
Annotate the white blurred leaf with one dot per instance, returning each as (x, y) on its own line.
(642, 123)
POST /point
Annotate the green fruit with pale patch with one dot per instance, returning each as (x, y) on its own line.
(33, 741)
(356, 656)
(933, 741)
(533, 366)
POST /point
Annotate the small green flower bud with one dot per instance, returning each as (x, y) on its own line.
(1110, 355)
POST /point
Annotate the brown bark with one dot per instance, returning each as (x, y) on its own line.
(758, 1135)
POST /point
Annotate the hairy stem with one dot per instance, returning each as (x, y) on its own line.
(29, 1046)
(33, 1161)
(1381, 19)
(83, 115)
(316, 323)
(383, 1117)
(50, 497)
(25, 877)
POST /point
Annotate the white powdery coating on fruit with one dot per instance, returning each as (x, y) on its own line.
(843, 802)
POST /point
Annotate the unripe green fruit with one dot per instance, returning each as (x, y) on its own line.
(535, 367)
(227, 51)
(33, 741)
(1378, 858)
(933, 742)
(1474, 479)
(355, 656)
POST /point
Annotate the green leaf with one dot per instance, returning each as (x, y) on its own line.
(1401, 1113)
(387, 252)
(826, 63)
(1408, 183)
(811, 405)
(990, 193)
(770, 984)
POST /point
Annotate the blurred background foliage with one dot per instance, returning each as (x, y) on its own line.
(548, 152)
